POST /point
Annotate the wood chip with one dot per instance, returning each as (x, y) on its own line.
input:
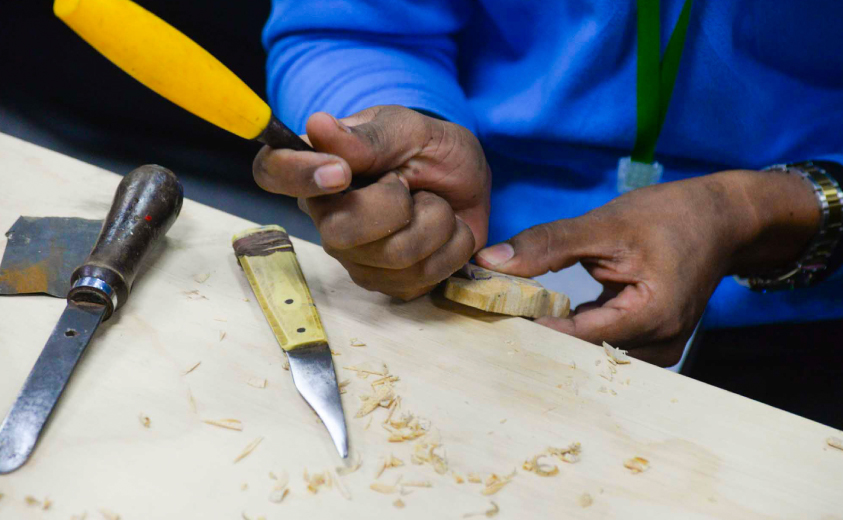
(356, 343)
(457, 478)
(257, 382)
(144, 420)
(278, 494)
(317, 481)
(386, 489)
(571, 454)
(835, 442)
(202, 277)
(489, 513)
(585, 500)
(354, 463)
(391, 462)
(231, 424)
(109, 515)
(543, 470)
(637, 465)
(418, 483)
(616, 355)
(384, 372)
(191, 369)
(399, 504)
(222, 335)
(244, 486)
(495, 483)
(383, 394)
(192, 401)
(248, 449)
(474, 478)
(342, 384)
(425, 453)
(47, 504)
(32, 501)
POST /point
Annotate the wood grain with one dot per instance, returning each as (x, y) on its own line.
(497, 391)
(504, 294)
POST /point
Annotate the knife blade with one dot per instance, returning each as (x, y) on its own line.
(146, 204)
(269, 262)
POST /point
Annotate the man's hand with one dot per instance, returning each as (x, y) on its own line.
(424, 208)
(661, 251)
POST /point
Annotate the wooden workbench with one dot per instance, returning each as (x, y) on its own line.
(496, 391)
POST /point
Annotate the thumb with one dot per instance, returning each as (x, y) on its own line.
(546, 247)
(373, 141)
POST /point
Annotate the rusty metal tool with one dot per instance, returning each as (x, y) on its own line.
(267, 257)
(146, 204)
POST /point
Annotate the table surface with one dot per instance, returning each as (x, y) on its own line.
(495, 391)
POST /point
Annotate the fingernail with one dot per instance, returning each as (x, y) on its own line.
(497, 254)
(342, 126)
(329, 176)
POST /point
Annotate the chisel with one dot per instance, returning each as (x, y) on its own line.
(267, 257)
(146, 204)
(171, 64)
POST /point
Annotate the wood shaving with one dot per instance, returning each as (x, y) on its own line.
(222, 335)
(503, 421)
(286, 364)
(424, 452)
(495, 483)
(489, 513)
(192, 401)
(231, 424)
(317, 481)
(369, 423)
(418, 483)
(336, 353)
(256, 382)
(542, 470)
(585, 500)
(637, 465)
(354, 342)
(382, 397)
(399, 504)
(474, 478)
(32, 501)
(144, 420)
(571, 454)
(202, 277)
(607, 375)
(342, 384)
(355, 461)
(278, 494)
(248, 449)
(386, 489)
(191, 369)
(835, 442)
(391, 462)
(457, 478)
(384, 372)
(108, 515)
(616, 355)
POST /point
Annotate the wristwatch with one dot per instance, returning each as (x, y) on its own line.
(824, 253)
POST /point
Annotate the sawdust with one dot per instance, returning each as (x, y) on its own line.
(543, 470)
(354, 342)
(637, 465)
(144, 420)
(256, 382)
(280, 490)
(222, 335)
(192, 368)
(399, 504)
(585, 500)
(32, 501)
(489, 513)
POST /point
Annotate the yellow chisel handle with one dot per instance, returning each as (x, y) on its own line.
(267, 257)
(165, 60)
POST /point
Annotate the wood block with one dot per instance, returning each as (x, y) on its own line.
(504, 294)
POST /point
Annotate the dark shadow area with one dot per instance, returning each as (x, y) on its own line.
(794, 367)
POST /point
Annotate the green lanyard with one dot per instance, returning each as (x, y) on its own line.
(655, 79)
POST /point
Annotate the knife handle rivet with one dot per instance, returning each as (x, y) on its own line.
(300, 329)
(70, 333)
(288, 301)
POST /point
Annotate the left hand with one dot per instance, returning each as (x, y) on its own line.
(660, 252)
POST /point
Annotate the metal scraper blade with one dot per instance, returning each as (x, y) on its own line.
(46, 382)
(314, 377)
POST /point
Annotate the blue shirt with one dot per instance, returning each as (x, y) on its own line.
(549, 88)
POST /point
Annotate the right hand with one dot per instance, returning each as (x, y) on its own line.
(424, 213)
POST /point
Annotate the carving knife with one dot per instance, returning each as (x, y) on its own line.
(171, 64)
(146, 204)
(267, 257)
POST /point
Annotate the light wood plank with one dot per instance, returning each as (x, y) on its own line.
(498, 390)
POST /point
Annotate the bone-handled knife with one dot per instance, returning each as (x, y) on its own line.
(269, 262)
(146, 204)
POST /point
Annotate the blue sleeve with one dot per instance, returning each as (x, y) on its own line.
(341, 56)
(732, 303)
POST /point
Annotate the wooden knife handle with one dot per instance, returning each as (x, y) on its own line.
(267, 257)
(146, 204)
